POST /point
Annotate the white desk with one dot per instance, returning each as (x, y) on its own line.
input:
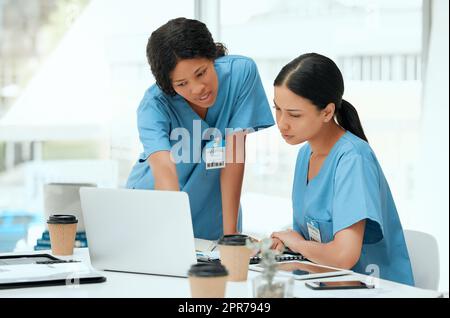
(139, 285)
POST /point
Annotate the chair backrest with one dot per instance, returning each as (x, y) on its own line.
(424, 255)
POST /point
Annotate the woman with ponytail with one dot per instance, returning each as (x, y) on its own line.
(344, 213)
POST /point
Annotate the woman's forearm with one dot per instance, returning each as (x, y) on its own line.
(164, 171)
(231, 185)
(322, 253)
(343, 251)
(231, 178)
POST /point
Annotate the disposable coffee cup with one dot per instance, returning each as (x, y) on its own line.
(62, 229)
(208, 280)
(235, 256)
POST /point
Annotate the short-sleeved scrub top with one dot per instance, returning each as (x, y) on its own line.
(351, 187)
(169, 123)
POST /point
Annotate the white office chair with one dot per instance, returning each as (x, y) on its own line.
(424, 255)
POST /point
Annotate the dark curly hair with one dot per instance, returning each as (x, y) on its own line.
(176, 40)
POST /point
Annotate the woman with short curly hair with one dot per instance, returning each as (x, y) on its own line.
(191, 121)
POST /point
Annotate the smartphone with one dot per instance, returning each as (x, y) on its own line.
(350, 284)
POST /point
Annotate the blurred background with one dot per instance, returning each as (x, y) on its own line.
(72, 73)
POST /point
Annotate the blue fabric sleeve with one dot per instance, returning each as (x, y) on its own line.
(154, 128)
(357, 197)
(251, 109)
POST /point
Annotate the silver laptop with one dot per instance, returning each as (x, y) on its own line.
(141, 231)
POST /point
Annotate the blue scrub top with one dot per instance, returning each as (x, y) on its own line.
(241, 104)
(351, 187)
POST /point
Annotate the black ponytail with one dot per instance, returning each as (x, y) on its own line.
(348, 118)
(317, 78)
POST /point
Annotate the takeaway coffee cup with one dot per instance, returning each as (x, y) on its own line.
(208, 280)
(235, 256)
(62, 229)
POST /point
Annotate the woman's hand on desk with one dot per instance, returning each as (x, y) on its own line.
(288, 238)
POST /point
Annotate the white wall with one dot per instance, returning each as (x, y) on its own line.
(432, 181)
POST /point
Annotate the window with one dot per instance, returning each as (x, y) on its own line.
(378, 47)
(95, 55)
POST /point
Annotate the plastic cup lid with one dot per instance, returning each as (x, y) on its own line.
(62, 219)
(233, 239)
(207, 270)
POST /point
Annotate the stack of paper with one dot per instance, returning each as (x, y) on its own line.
(44, 272)
(202, 245)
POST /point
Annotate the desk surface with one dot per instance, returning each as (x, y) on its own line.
(140, 285)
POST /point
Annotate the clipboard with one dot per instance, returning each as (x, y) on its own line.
(42, 270)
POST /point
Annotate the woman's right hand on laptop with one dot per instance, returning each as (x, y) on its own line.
(277, 244)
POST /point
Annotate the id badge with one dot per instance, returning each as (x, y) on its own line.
(215, 154)
(313, 231)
